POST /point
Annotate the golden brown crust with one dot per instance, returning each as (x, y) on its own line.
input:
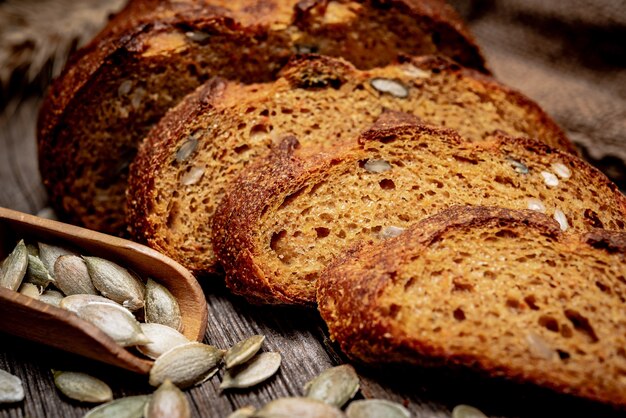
(119, 52)
(233, 240)
(264, 186)
(349, 299)
(141, 183)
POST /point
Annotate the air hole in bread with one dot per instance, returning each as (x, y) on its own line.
(504, 180)
(461, 284)
(459, 314)
(242, 148)
(514, 304)
(276, 237)
(549, 323)
(258, 130)
(563, 355)
(507, 233)
(387, 184)
(604, 288)
(322, 232)
(531, 301)
(581, 324)
(463, 159)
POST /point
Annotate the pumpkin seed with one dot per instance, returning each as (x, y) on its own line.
(390, 232)
(14, 267)
(243, 351)
(376, 166)
(32, 250)
(11, 389)
(393, 87)
(257, 370)
(82, 387)
(376, 408)
(129, 407)
(168, 402)
(245, 412)
(52, 297)
(30, 290)
(298, 407)
(198, 36)
(185, 365)
(466, 411)
(162, 337)
(334, 386)
(48, 255)
(186, 149)
(116, 283)
(72, 277)
(115, 321)
(74, 302)
(37, 273)
(161, 307)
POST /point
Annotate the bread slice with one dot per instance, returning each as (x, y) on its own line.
(173, 191)
(501, 291)
(155, 52)
(288, 216)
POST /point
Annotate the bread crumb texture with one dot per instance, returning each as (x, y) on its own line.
(286, 219)
(192, 156)
(505, 292)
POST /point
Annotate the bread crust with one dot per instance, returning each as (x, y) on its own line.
(120, 47)
(349, 290)
(266, 184)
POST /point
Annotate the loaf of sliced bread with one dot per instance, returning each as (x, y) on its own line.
(504, 292)
(289, 215)
(191, 156)
(155, 52)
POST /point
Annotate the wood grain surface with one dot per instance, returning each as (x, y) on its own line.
(299, 335)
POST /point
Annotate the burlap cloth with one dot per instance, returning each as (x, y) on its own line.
(568, 55)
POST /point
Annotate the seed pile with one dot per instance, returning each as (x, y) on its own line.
(181, 364)
(99, 291)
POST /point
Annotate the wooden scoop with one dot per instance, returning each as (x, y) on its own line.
(38, 321)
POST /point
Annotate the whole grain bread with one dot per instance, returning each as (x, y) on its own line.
(155, 52)
(287, 216)
(188, 160)
(501, 291)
